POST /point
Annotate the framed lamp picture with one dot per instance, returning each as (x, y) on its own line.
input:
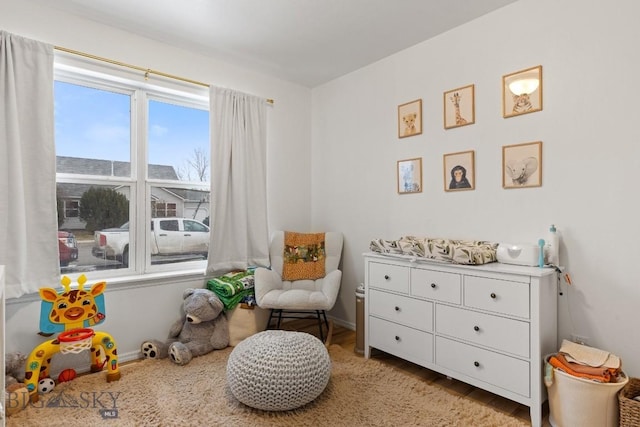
(522, 92)
(522, 165)
(459, 107)
(410, 119)
(459, 171)
(409, 173)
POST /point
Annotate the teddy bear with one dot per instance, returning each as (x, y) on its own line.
(16, 395)
(202, 328)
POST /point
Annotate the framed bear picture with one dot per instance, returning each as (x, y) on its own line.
(410, 119)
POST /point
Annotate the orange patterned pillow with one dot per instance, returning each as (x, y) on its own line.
(303, 256)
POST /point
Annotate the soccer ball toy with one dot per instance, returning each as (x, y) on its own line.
(46, 385)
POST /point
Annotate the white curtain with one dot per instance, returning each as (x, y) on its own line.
(239, 235)
(28, 222)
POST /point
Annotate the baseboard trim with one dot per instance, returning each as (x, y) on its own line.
(344, 324)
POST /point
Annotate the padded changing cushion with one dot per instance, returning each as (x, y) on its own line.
(473, 252)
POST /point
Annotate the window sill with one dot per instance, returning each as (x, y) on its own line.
(122, 283)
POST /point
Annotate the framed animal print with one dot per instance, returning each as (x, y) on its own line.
(410, 119)
(409, 173)
(459, 171)
(522, 165)
(459, 107)
(522, 92)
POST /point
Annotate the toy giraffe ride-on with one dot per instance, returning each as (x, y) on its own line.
(71, 312)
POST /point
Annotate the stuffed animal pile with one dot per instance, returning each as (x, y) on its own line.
(202, 328)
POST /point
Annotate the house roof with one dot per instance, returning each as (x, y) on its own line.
(82, 166)
(77, 165)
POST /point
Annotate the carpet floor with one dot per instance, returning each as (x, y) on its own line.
(159, 393)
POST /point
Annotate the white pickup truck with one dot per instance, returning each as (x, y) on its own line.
(169, 236)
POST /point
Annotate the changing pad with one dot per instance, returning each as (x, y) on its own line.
(474, 252)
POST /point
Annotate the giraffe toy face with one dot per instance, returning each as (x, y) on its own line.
(74, 308)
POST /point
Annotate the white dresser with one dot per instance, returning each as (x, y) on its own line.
(489, 325)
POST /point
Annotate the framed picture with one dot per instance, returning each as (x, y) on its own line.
(410, 176)
(522, 92)
(459, 107)
(410, 119)
(459, 171)
(522, 165)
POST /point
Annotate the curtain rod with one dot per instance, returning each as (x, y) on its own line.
(146, 71)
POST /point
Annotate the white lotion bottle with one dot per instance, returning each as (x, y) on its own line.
(553, 246)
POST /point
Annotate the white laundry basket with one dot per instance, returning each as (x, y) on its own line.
(576, 401)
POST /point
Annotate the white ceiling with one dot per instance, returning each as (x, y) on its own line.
(308, 42)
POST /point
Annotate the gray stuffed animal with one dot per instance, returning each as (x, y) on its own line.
(14, 367)
(202, 329)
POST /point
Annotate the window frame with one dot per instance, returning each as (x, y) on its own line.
(104, 76)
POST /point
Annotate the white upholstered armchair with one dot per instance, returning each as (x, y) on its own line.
(304, 297)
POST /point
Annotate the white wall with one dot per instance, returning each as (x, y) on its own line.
(136, 312)
(591, 153)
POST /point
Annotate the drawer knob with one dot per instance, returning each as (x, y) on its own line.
(476, 328)
(397, 338)
(493, 295)
(433, 285)
(386, 277)
(476, 364)
(397, 308)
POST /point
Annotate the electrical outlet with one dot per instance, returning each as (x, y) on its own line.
(580, 339)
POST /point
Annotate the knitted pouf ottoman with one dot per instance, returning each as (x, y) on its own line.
(278, 370)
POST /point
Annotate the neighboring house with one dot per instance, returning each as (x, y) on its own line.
(165, 201)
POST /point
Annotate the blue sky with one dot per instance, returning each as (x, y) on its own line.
(96, 124)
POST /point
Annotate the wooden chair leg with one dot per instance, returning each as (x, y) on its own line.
(327, 343)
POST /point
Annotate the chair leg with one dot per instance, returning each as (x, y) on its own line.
(271, 313)
(326, 322)
(279, 318)
(320, 324)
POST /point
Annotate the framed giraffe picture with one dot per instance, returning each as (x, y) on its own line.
(410, 119)
(522, 92)
(459, 107)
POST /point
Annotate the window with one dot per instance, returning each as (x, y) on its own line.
(71, 208)
(195, 227)
(163, 209)
(169, 225)
(128, 152)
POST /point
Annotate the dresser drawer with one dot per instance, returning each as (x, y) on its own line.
(499, 296)
(390, 277)
(508, 335)
(484, 365)
(402, 341)
(407, 311)
(436, 285)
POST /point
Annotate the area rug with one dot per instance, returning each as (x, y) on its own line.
(159, 393)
